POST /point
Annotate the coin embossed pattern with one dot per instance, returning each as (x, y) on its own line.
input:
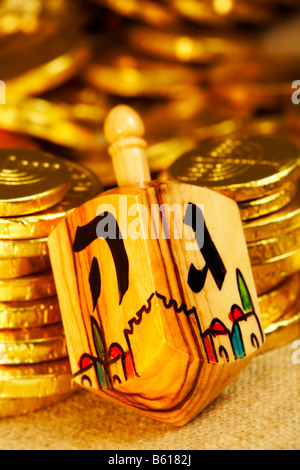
(30, 181)
(82, 185)
(241, 168)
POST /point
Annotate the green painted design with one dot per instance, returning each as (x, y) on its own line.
(100, 351)
(237, 342)
(101, 375)
(244, 292)
(97, 337)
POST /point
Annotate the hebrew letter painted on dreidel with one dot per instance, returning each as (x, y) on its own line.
(155, 287)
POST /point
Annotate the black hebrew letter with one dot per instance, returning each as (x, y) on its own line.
(95, 282)
(214, 263)
(85, 235)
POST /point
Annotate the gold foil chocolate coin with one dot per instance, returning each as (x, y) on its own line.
(33, 287)
(47, 76)
(82, 186)
(28, 314)
(37, 380)
(11, 268)
(244, 168)
(267, 205)
(10, 407)
(152, 13)
(273, 247)
(32, 17)
(280, 300)
(32, 345)
(253, 96)
(30, 181)
(23, 248)
(283, 331)
(223, 12)
(270, 273)
(123, 73)
(50, 122)
(274, 225)
(186, 45)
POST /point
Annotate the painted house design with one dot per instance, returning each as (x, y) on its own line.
(114, 365)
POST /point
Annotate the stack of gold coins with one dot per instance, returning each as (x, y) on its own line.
(36, 191)
(261, 173)
(274, 246)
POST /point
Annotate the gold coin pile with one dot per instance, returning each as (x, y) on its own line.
(41, 44)
(159, 64)
(36, 191)
(192, 70)
(44, 45)
(262, 174)
(199, 73)
(187, 66)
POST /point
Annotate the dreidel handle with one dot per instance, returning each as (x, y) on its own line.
(124, 131)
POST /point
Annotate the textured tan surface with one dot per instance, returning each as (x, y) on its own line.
(259, 410)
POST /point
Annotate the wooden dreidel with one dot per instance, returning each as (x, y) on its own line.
(155, 287)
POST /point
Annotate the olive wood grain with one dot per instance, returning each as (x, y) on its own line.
(160, 311)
